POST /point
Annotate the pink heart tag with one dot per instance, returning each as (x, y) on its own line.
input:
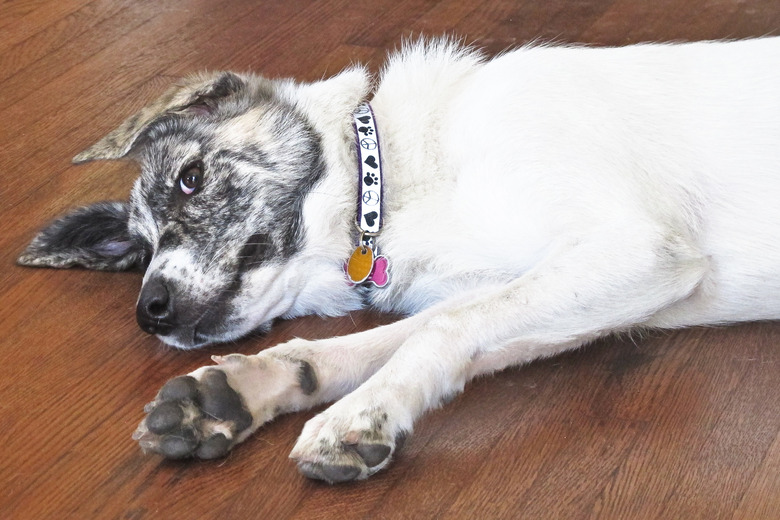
(381, 274)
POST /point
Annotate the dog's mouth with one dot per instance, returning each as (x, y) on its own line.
(192, 337)
(210, 331)
(186, 339)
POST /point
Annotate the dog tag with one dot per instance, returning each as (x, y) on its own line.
(360, 264)
(380, 274)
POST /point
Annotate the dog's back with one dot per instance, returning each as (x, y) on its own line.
(500, 162)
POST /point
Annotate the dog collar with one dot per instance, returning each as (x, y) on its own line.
(365, 265)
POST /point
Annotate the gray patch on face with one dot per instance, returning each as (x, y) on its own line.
(259, 163)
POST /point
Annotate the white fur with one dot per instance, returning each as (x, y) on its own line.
(534, 202)
(490, 167)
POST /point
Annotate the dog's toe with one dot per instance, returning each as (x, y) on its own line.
(180, 445)
(331, 474)
(179, 389)
(214, 447)
(220, 401)
(165, 418)
(373, 454)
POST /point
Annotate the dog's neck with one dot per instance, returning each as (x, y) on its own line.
(365, 265)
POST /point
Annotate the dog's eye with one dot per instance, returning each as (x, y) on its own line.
(191, 177)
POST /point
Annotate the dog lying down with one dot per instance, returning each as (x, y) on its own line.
(513, 208)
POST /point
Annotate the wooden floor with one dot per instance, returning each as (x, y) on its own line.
(671, 425)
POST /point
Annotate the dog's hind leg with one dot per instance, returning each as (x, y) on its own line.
(584, 291)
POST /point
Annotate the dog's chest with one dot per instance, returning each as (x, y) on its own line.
(450, 236)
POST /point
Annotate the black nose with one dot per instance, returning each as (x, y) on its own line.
(154, 311)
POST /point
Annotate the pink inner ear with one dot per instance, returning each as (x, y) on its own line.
(379, 276)
(197, 109)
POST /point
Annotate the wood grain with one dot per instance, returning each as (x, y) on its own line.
(669, 425)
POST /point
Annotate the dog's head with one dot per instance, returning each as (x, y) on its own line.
(222, 215)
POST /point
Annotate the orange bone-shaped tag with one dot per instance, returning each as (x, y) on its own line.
(360, 264)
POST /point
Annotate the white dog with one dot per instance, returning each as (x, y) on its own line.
(522, 206)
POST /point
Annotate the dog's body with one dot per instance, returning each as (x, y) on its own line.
(532, 203)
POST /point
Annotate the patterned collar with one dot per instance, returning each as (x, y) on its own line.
(366, 265)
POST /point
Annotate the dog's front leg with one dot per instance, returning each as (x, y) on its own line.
(207, 412)
(583, 292)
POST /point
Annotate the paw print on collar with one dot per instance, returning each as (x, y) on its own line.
(370, 179)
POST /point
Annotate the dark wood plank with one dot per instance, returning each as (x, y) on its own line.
(668, 425)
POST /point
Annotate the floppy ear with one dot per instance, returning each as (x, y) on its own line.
(95, 237)
(196, 95)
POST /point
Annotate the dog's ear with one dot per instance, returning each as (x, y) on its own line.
(95, 237)
(196, 95)
(334, 99)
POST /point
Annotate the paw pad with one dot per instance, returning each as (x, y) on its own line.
(331, 474)
(372, 454)
(192, 418)
(350, 461)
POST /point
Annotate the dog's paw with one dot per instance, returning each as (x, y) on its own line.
(337, 448)
(192, 416)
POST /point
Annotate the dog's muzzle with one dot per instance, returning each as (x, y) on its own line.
(178, 319)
